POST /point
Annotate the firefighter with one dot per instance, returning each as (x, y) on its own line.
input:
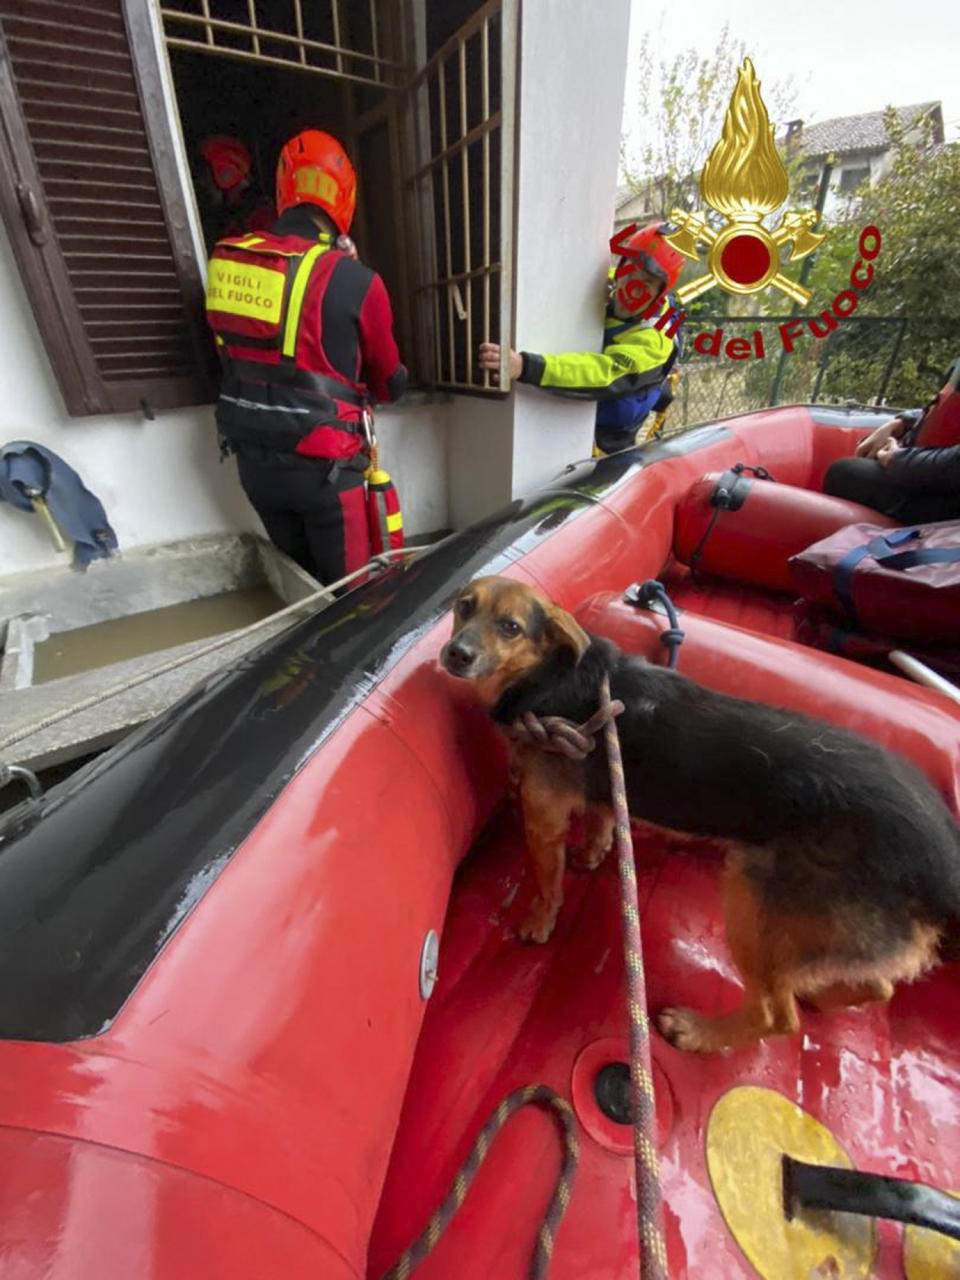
(640, 347)
(305, 334)
(231, 202)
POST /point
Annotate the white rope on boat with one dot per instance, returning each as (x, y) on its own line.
(923, 674)
(380, 561)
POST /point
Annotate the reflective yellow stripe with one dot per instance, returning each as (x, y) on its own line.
(295, 305)
(394, 522)
(247, 241)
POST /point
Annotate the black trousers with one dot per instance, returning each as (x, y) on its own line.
(320, 523)
(864, 480)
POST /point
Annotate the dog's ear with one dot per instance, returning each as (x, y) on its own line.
(567, 633)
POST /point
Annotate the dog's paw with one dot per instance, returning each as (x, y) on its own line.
(589, 858)
(683, 1028)
(540, 920)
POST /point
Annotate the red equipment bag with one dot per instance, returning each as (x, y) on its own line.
(744, 529)
(894, 582)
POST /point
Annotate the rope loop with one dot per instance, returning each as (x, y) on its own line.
(554, 733)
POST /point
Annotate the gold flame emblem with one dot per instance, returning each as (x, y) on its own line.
(744, 180)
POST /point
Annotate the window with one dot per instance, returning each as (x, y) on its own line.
(116, 295)
(99, 210)
(852, 178)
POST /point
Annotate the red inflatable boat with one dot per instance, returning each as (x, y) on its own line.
(218, 1060)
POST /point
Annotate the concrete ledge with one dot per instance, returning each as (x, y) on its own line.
(35, 605)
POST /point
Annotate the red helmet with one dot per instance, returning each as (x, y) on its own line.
(229, 160)
(649, 249)
(314, 169)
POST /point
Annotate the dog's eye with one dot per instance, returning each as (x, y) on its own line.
(507, 627)
(465, 607)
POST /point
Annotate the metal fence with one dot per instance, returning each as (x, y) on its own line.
(866, 360)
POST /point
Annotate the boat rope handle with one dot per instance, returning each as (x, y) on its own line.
(720, 501)
(540, 1095)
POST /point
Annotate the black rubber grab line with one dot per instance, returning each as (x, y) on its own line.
(817, 1186)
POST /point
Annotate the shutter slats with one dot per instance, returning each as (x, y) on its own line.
(94, 188)
(48, 27)
(72, 158)
(82, 131)
(79, 101)
(90, 16)
(112, 207)
(77, 92)
(46, 56)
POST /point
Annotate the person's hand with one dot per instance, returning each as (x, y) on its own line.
(346, 245)
(886, 453)
(489, 358)
(876, 440)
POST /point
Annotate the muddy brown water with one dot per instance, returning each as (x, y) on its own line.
(117, 639)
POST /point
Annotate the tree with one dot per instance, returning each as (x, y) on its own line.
(916, 275)
(682, 103)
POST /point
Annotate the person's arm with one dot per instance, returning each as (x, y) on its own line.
(896, 429)
(930, 470)
(382, 369)
(621, 369)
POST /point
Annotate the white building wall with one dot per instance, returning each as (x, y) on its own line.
(162, 481)
(573, 60)
(159, 481)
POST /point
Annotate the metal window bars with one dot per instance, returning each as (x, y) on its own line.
(460, 134)
(451, 129)
(270, 38)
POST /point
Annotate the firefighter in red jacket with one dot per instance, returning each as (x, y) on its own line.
(229, 198)
(305, 333)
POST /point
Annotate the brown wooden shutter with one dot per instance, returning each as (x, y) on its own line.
(103, 247)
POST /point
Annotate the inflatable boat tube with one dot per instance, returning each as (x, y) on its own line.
(912, 721)
(745, 529)
(212, 939)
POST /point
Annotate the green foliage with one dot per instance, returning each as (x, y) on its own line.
(683, 102)
(916, 275)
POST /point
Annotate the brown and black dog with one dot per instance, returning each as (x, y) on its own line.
(843, 863)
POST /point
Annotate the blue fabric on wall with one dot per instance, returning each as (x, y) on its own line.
(79, 513)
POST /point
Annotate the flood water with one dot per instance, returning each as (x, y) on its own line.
(117, 639)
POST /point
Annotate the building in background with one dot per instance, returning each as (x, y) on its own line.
(860, 147)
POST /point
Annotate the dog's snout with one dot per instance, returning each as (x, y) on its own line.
(459, 656)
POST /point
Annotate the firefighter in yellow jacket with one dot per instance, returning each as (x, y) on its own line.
(641, 343)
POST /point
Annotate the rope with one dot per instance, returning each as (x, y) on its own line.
(653, 1253)
(230, 637)
(537, 1094)
(645, 594)
(554, 733)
